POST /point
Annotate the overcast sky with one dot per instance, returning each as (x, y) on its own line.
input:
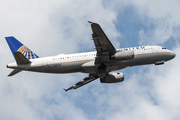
(60, 26)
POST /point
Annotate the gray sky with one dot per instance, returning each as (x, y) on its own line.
(54, 27)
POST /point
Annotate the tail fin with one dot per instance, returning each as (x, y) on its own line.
(15, 45)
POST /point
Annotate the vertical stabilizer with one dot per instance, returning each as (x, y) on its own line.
(15, 46)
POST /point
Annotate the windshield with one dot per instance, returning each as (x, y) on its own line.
(163, 48)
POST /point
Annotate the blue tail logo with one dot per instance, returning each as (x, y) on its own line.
(15, 45)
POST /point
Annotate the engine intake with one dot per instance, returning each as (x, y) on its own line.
(113, 78)
(123, 55)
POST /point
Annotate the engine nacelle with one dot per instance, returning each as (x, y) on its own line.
(123, 55)
(113, 78)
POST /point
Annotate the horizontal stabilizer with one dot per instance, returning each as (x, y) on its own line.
(20, 58)
(15, 71)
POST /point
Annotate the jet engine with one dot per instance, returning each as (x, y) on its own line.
(113, 78)
(123, 55)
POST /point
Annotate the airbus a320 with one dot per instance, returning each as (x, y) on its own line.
(97, 64)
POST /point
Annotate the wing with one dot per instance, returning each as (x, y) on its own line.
(82, 82)
(102, 44)
(104, 50)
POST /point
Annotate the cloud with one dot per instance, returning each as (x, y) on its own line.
(145, 95)
(47, 28)
(54, 27)
(160, 17)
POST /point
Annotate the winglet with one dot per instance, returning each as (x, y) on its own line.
(65, 90)
(90, 22)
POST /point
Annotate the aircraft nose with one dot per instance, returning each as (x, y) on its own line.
(172, 55)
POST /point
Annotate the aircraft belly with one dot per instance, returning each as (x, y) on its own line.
(142, 59)
(149, 58)
(117, 65)
(90, 67)
(163, 56)
(60, 68)
(67, 67)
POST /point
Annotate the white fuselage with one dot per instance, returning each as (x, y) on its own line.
(84, 62)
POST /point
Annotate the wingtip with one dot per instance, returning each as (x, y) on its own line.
(65, 90)
(90, 22)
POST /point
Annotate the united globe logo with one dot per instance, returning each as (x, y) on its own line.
(27, 52)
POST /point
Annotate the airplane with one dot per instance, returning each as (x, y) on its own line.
(97, 64)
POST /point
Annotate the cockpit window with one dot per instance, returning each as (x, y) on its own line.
(163, 48)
